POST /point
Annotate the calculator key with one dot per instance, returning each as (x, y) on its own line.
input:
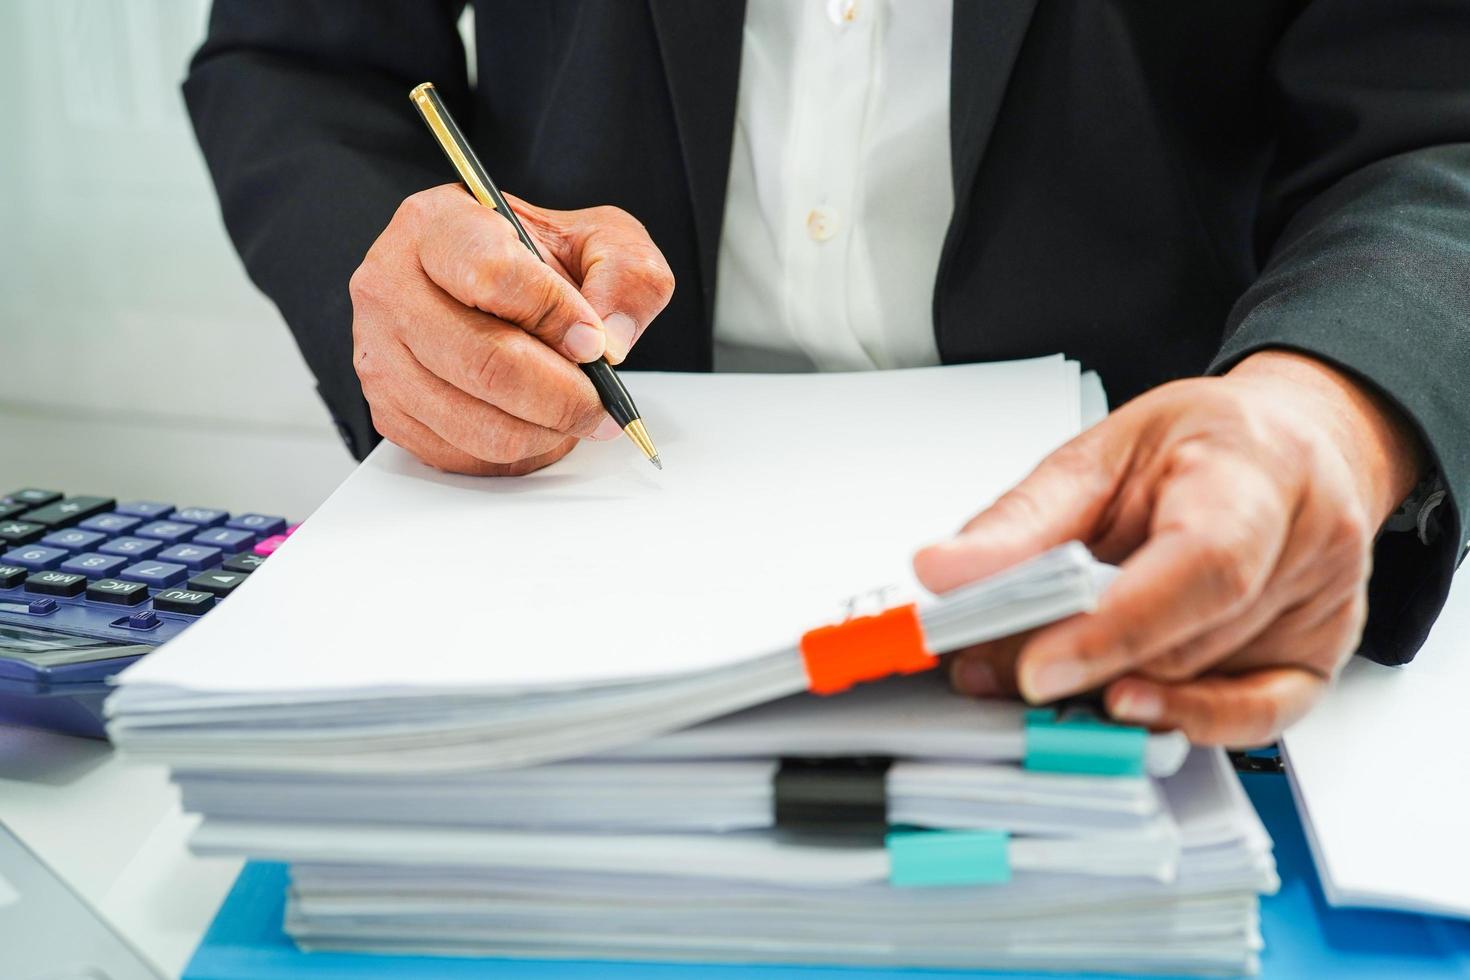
(196, 556)
(35, 557)
(200, 516)
(147, 509)
(93, 565)
(218, 582)
(131, 547)
(116, 592)
(73, 539)
(170, 531)
(227, 538)
(65, 513)
(56, 583)
(188, 601)
(159, 574)
(32, 497)
(260, 525)
(111, 523)
(20, 532)
(268, 547)
(245, 561)
(11, 576)
(8, 511)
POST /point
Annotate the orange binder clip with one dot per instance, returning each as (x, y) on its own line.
(865, 648)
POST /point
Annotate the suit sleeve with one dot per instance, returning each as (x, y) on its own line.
(1365, 232)
(301, 109)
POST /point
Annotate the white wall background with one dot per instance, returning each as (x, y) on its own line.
(119, 292)
(135, 356)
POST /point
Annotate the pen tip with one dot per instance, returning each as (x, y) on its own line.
(658, 463)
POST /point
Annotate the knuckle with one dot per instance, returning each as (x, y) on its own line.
(1351, 531)
(508, 444)
(474, 276)
(1126, 642)
(491, 369)
(1074, 458)
(577, 414)
(1192, 456)
(549, 303)
(389, 425)
(659, 277)
(1019, 505)
(416, 206)
(1227, 570)
(369, 375)
(1206, 721)
(611, 214)
(1176, 664)
(366, 286)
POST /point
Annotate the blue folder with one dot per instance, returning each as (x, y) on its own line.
(1304, 937)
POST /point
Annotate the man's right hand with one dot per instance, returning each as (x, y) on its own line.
(467, 345)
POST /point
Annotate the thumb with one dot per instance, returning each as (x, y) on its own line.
(621, 272)
(1063, 499)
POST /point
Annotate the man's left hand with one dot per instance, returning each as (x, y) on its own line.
(1242, 510)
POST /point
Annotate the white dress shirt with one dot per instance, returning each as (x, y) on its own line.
(840, 190)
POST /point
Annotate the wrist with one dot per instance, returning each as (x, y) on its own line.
(1382, 449)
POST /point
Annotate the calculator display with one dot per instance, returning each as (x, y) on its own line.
(46, 648)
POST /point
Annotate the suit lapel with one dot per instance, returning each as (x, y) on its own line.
(987, 38)
(700, 44)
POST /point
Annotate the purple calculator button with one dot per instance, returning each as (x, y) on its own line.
(146, 509)
(134, 548)
(93, 565)
(225, 537)
(159, 574)
(260, 525)
(196, 556)
(111, 523)
(170, 531)
(73, 539)
(200, 516)
(35, 557)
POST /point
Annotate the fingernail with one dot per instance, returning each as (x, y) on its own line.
(585, 342)
(1139, 704)
(620, 330)
(606, 430)
(1052, 680)
(975, 677)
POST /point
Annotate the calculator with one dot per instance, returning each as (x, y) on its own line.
(88, 585)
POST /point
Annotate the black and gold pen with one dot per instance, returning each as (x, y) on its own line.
(615, 397)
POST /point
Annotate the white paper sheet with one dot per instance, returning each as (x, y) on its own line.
(1381, 772)
(781, 496)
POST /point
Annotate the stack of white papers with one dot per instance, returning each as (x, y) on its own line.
(749, 897)
(543, 716)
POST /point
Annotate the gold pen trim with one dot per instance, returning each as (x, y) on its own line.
(426, 98)
(635, 431)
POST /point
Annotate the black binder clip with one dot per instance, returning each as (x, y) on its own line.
(843, 798)
(1267, 759)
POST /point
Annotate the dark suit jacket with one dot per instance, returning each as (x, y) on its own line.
(1156, 188)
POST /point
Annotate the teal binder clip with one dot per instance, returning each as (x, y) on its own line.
(1082, 746)
(926, 858)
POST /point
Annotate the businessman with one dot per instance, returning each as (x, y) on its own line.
(1252, 217)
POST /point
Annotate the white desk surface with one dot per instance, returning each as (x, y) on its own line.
(114, 832)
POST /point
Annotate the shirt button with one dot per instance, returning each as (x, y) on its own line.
(821, 224)
(842, 12)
